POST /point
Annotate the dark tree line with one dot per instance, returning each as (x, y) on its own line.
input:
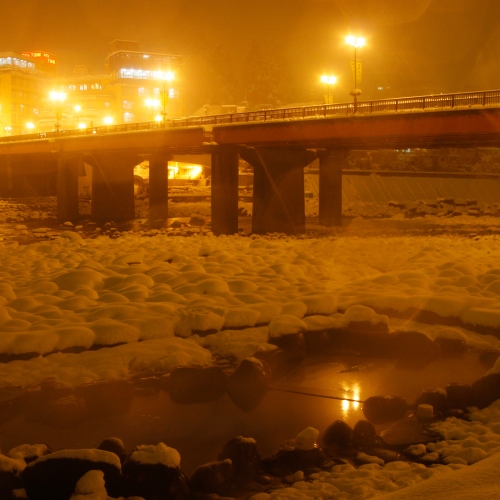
(261, 78)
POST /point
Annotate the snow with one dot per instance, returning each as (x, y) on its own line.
(160, 454)
(147, 303)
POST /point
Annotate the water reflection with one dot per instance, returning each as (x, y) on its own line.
(352, 404)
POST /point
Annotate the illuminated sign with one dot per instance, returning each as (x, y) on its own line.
(45, 56)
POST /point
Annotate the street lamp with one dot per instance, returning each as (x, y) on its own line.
(329, 81)
(166, 76)
(58, 97)
(78, 108)
(152, 104)
(356, 42)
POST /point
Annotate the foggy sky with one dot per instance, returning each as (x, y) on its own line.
(437, 45)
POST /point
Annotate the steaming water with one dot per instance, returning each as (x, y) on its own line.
(199, 431)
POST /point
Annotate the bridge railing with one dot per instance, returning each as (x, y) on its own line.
(400, 104)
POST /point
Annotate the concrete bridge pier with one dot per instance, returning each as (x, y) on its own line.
(158, 186)
(331, 164)
(68, 168)
(224, 191)
(278, 190)
(5, 176)
(113, 186)
(29, 175)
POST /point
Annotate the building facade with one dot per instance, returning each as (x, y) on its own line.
(136, 86)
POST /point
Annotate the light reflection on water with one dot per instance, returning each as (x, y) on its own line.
(352, 404)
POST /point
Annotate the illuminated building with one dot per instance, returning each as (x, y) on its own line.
(137, 76)
(24, 79)
(120, 94)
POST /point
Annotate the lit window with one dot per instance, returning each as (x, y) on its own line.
(128, 117)
(107, 104)
(141, 91)
(83, 86)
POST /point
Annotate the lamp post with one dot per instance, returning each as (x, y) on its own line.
(58, 97)
(329, 80)
(78, 108)
(356, 42)
(152, 104)
(167, 76)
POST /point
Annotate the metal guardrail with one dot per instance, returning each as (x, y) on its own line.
(400, 104)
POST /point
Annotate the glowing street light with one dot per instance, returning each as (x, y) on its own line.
(58, 97)
(152, 104)
(166, 76)
(329, 81)
(356, 42)
(30, 126)
(108, 120)
(78, 108)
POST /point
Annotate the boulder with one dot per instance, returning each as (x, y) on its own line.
(114, 445)
(10, 480)
(382, 409)
(54, 476)
(488, 358)
(196, 384)
(459, 396)
(486, 390)
(414, 349)
(90, 486)
(212, 477)
(364, 434)
(338, 433)
(244, 456)
(434, 397)
(248, 383)
(154, 472)
(280, 362)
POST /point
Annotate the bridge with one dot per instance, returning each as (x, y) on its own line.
(278, 143)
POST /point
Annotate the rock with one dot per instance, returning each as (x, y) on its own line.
(212, 477)
(10, 470)
(108, 397)
(424, 412)
(288, 460)
(90, 486)
(248, 383)
(197, 220)
(405, 432)
(29, 453)
(415, 349)
(434, 397)
(55, 476)
(451, 346)
(114, 445)
(364, 433)
(459, 396)
(196, 384)
(338, 433)
(244, 456)
(381, 409)
(154, 472)
(280, 362)
(488, 358)
(486, 390)
(306, 440)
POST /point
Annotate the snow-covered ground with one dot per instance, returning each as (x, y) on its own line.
(140, 299)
